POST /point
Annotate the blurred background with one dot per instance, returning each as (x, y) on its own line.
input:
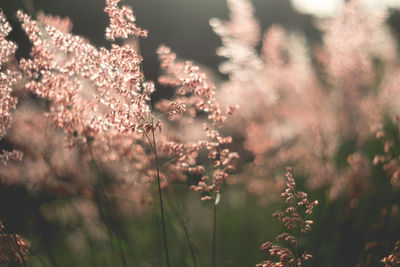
(183, 25)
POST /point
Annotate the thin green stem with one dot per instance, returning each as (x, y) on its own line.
(185, 229)
(43, 239)
(180, 213)
(107, 213)
(37, 255)
(51, 256)
(214, 239)
(154, 148)
(88, 239)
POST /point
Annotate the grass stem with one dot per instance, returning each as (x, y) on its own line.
(214, 239)
(154, 149)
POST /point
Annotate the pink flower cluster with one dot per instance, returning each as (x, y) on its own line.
(391, 163)
(195, 94)
(13, 248)
(293, 218)
(301, 102)
(8, 78)
(101, 100)
(394, 258)
(122, 22)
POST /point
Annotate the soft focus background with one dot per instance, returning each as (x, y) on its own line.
(356, 221)
(182, 25)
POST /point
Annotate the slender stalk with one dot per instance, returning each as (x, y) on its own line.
(44, 239)
(34, 253)
(108, 226)
(107, 213)
(52, 258)
(214, 239)
(88, 239)
(189, 242)
(176, 206)
(180, 213)
(154, 149)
